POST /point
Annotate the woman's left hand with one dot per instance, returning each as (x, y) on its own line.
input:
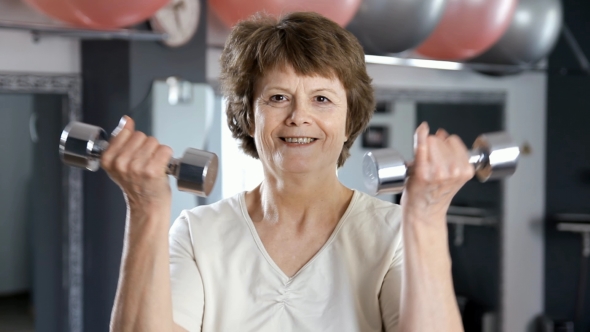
(441, 167)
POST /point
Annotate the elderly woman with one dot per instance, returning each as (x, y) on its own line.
(300, 252)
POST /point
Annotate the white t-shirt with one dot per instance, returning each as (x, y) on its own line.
(224, 280)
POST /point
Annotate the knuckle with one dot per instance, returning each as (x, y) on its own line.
(153, 139)
(153, 172)
(138, 135)
(165, 149)
(440, 174)
(119, 165)
(456, 171)
(455, 137)
(106, 161)
(136, 168)
(458, 141)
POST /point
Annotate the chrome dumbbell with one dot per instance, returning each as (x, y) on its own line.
(493, 155)
(81, 145)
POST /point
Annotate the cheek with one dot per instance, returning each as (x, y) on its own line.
(340, 126)
(263, 127)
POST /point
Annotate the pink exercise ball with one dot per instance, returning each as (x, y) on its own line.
(232, 11)
(113, 14)
(58, 9)
(468, 28)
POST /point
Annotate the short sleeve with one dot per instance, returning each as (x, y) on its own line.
(390, 296)
(185, 279)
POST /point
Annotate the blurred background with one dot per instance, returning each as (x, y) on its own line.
(520, 246)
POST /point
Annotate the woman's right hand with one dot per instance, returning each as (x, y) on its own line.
(137, 163)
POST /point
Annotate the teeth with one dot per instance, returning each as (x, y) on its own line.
(299, 140)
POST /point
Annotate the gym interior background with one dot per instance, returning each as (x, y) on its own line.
(61, 230)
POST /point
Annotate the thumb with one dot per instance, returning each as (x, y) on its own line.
(420, 144)
(124, 123)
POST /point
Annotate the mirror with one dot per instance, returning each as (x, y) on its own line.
(40, 206)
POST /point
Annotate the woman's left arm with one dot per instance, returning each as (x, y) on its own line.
(440, 169)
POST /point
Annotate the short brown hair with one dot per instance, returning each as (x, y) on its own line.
(312, 45)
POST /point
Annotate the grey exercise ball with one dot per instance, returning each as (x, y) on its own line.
(393, 26)
(531, 36)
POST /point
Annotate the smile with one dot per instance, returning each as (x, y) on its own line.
(299, 140)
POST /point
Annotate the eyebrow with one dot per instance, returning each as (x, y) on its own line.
(276, 87)
(324, 89)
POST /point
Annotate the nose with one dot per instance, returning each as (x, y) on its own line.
(300, 114)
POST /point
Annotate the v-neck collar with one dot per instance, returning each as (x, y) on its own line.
(254, 232)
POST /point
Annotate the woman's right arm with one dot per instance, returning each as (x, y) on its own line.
(137, 164)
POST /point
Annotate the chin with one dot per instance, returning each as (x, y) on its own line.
(301, 166)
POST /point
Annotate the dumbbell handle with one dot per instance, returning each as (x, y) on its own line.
(477, 159)
(101, 145)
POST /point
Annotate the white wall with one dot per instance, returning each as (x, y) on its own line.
(19, 53)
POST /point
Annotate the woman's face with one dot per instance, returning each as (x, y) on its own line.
(299, 121)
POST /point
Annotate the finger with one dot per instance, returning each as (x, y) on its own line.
(120, 135)
(421, 144)
(439, 157)
(115, 145)
(442, 134)
(128, 152)
(461, 153)
(159, 161)
(144, 155)
(124, 123)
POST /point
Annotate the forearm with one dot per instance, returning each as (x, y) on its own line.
(428, 300)
(143, 300)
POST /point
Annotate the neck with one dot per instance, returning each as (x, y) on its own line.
(299, 198)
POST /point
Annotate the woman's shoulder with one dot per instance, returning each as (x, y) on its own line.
(223, 213)
(376, 207)
(223, 208)
(373, 227)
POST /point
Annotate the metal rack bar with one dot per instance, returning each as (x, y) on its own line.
(470, 220)
(450, 65)
(38, 30)
(583, 229)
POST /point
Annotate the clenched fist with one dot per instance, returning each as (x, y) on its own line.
(137, 163)
(441, 167)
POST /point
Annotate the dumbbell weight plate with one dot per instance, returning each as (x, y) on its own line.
(502, 156)
(76, 146)
(196, 171)
(384, 170)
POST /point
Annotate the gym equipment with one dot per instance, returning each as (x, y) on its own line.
(231, 12)
(493, 155)
(527, 40)
(81, 145)
(58, 9)
(113, 14)
(468, 28)
(385, 26)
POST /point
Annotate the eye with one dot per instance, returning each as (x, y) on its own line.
(321, 99)
(278, 98)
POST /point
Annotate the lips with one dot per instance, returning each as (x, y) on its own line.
(299, 140)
